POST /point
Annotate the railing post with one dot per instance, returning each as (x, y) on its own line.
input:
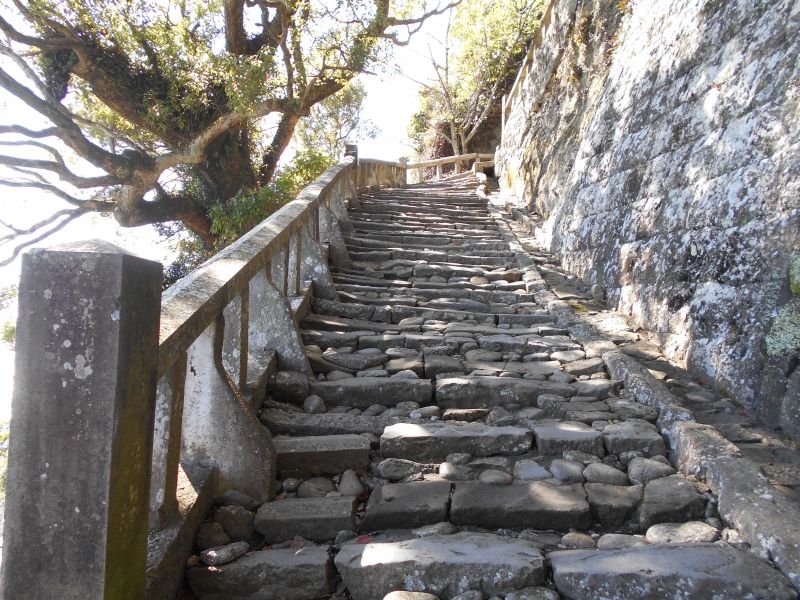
(82, 424)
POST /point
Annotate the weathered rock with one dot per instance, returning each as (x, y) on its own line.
(575, 540)
(436, 440)
(693, 532)
(495, 477)
(613, 505)
(316, 487)
(395, 469)
(235, 497)
(533, 593)
(479, 392)
(634, 434)
(567, 471)
(221, 555)
(319, 455)
(409, 596)
(357, 361)
(281, 422)
(211, 535)
(528, 470)
(670, 499)
(555, 438)
(600, 473)
(406, 505)
(611, 541)
(350, 485)
(587, 366)
(318, 519)
(304, 574)
(290, 386)
(641, 470)
(314, 405)
(535, 505)
(452, 472)
(442, 565)
(237, 522)
(465, 414)
(653, 572)
(362, 392)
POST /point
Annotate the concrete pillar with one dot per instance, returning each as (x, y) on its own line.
(77, 498)
(330, 232)
(219, 426)
(271, 327)
(313, 266)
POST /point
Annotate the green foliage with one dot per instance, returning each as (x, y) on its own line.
(8, 332)
(8, 294)
(335, 121)
(4, 430)
(487, 40)
(234, 218)
(247, 209)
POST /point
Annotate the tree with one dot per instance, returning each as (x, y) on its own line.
(482, 49)
(334, 121)
(164, 99)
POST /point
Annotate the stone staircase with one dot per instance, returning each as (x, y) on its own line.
(457, 441)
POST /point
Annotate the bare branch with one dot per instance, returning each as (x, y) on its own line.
(59, 169)
(31, 133)
(70, 216)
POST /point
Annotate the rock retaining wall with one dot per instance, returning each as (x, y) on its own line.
(659, 142)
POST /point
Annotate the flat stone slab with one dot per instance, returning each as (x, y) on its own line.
(322, 455)
(533, 505)
(407, 505)
(634, 434)
(362, 392)
(670, 499)
(444, 565)
(318, 519)
(554, 438)
(653, 572)
(281, 422)
(477, 392)
(304, 574)
(613, 505)
(430, 441)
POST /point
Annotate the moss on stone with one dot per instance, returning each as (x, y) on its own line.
(784, 336)
(794, 275)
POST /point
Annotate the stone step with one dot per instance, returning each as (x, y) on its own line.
(318, 519)
(423, 442)
(529, 505)
(321, 455)
(443, 565)
(479, 392)
(652, 572)
(407, 505)
(300, 574)
(281, 422)
(362, 392)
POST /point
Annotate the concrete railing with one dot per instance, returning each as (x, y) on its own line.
(122, 432)
(479, 161)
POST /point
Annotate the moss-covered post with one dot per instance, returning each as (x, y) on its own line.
(82, 425)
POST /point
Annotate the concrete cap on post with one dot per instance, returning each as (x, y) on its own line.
(82, 424)
(351, 150)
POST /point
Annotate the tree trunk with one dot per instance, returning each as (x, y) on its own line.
(281, 139)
